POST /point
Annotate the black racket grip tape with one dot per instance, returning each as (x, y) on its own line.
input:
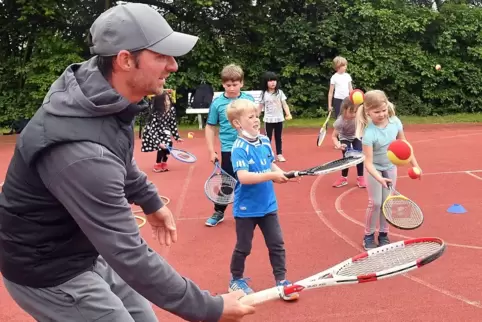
(291, 174)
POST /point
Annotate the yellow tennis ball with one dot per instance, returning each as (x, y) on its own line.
(190, 135)
(400, 152)
(357, 96)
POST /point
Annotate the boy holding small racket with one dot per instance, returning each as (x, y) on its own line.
(255, 201)
(232, 77)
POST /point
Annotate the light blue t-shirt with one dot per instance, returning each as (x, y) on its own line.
(380, 139)
(253, 200)
(217, 115)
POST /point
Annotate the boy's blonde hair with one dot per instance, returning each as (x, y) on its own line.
(233, 73)
(373, 99)
(238, 108)
(338, 62)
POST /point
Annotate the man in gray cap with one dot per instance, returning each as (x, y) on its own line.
(70, 247)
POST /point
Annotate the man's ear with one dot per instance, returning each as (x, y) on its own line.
(124, 61)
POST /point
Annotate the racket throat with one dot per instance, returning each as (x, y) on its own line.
(287, 290)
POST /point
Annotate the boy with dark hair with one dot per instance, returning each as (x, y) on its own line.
(232, 77)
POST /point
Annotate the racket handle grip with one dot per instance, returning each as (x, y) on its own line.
(291, 174)
(262, 296)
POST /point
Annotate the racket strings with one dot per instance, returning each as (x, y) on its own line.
(333, 164)
(220, 188)
(389, 258)
(403, 213)
(183, 155)
(321, 137)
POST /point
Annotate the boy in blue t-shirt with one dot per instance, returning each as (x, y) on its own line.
(255, 201)
(232, 77)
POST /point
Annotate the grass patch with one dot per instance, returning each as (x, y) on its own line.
(317, 122)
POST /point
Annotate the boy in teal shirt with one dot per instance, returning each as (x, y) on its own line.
(232, 77)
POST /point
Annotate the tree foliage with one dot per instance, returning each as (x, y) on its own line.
(392, 45)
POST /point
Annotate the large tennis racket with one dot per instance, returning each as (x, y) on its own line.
(376, 264)
(219, 187)
(329, 167)
(324, 128)
(182, 155)
(400, 211)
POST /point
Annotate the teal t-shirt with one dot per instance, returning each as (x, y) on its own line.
(380, 139)
(217, 115)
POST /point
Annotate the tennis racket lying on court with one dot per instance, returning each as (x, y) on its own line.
(324, 128)
(376, 264)
(219, 187)
(182, 155)
(400, 211)
(329, 167)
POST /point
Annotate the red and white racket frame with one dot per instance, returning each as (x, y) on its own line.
(329, 277)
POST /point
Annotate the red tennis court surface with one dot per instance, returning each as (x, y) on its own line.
(324, 225)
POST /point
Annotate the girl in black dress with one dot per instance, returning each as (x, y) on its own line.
(157, 134)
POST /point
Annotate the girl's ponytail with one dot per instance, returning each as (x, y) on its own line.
(361, 121)
(391, 109)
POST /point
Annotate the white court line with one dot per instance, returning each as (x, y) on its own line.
(165, 250)
(349, 218)
(183, 194)
(320, 215)
(449, 137)
(473, 175)
(353, 220)
(280, 214)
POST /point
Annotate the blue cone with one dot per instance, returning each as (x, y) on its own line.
(456, 209)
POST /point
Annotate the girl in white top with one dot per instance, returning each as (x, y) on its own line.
(340, 85)
(273, 104)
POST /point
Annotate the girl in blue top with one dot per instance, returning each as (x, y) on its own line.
(378, 126)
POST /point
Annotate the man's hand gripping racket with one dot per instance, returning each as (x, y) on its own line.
(376, 264)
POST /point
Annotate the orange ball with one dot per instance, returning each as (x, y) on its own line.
(414, 173)
(357, 96)
(400, 152)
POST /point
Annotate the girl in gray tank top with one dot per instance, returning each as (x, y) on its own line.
(344, 137)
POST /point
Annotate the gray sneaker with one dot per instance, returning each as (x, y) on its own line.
(383, 239)
(369, 242)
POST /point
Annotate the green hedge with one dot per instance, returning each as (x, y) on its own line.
(390, 45)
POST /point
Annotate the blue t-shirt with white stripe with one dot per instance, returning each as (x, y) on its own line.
(253, 200)
(217, 115)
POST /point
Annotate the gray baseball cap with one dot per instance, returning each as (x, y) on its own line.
(136, 26)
